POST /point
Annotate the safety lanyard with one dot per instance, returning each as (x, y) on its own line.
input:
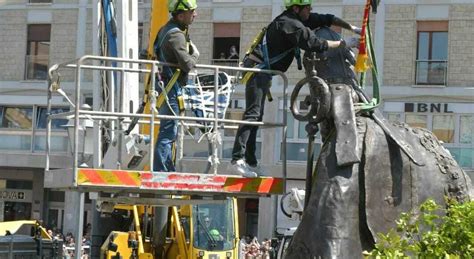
(267, 61)
(175, 75)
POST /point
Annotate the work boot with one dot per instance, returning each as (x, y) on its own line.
(241, 168)
(258, 169)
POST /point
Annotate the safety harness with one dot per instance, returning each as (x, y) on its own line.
(166, 69)
(267, 61)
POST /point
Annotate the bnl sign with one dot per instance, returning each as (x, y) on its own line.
(428, 107)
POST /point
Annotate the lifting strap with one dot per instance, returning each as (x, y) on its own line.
(367, 53)
(375, 82)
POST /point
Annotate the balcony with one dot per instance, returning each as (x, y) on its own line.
(431, 72)
(36, 67)
(40, 1)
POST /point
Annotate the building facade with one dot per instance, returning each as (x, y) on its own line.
(426, 68)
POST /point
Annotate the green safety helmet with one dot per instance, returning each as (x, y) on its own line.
(289, 3)
(214, 232)
(181, 5)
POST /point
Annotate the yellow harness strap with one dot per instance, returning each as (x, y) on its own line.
(168, 87)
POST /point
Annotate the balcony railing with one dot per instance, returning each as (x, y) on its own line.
(431, 72)
(36, 67)
(226, 62)
(40, 1)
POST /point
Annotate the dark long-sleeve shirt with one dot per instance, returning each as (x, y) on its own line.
(287, 32)
(175, 49)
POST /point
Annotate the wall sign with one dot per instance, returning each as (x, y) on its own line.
(15, 195)
(428, 107)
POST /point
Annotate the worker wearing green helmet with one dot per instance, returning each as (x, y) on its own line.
(289, 3)
(181, 5)
(173, 45)
(216, 236)
(275, 48)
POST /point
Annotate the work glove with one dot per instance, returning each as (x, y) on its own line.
(356, 29)
(352, 42)
(193, 50)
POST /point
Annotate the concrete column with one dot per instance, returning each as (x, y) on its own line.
(267, 217)
(127, 44)
(37, 202)
(71, 211)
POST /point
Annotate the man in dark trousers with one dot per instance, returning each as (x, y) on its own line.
(173, 46)
(275, 50)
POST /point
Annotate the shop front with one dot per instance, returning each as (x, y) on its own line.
(451, 122)
(15, 204)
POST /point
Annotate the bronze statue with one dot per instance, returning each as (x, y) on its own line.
(369, 170)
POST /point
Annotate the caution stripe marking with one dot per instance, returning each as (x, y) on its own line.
(180, 181)
(109, 177)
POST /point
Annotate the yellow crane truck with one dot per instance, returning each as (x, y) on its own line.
(204, 230)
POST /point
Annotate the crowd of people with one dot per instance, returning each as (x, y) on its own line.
(69, 243)
(250, 248)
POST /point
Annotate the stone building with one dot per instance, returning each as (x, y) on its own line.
(426, 68)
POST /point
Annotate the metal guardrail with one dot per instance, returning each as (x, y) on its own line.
(228, 63)
(125, 66)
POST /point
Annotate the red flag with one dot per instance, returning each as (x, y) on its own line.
(362, 58)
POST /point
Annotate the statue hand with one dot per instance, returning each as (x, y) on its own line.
(356, 29)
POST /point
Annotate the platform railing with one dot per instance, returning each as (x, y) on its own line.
(121, 65)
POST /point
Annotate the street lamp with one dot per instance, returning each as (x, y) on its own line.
(85, 139)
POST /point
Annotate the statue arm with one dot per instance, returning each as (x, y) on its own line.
(345, 25)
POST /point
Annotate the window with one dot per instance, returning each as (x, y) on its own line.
(443, 127)
(19, 184)
(55, 124)
(16, 117)
(37, 52)
(414, 120)
(59, 139)
(297, 137)
(432, 53)
(17, 131)
(393, 117)
(226, 45)
(463, 156)
(466, 129)
(16, 211)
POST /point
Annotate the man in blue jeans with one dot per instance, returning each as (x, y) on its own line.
(290, 30)
(173, 46)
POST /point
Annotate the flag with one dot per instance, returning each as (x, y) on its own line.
(362, 58)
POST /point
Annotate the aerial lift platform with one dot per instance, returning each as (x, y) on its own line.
(118, 183)
(143, 186)
(99, 179)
